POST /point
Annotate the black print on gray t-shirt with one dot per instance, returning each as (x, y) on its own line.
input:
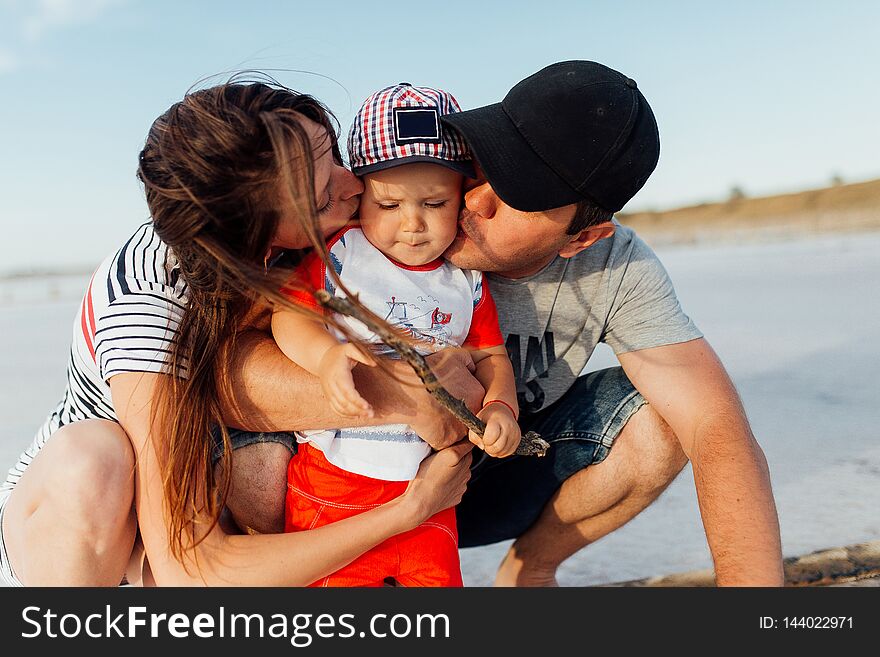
(529, 393)
(616, 292)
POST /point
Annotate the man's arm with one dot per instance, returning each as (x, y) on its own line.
(689, 387)
(271, 393)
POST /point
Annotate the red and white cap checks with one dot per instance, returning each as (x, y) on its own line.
(401, 124)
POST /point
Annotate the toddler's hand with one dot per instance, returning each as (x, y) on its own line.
(338, 384)
(502, 434)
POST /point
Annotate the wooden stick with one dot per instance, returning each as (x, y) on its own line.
(531, 444)
(821, 568)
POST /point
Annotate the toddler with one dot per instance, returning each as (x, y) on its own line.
(413, 170)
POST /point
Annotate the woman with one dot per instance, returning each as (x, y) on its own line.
(233, 175)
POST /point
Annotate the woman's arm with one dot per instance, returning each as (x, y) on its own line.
(295, 559)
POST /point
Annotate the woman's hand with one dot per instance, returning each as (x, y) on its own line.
(440, 482)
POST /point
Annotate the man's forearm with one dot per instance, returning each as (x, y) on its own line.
(271, 393)
(736, 502)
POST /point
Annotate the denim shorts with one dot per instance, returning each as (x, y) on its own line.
(240, 438)
(505, 496)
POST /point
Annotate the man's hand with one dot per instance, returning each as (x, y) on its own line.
(454, 369)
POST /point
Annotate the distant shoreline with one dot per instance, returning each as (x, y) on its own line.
(31, 274)
(853, 207)
(841, 208)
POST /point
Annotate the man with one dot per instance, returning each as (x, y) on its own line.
(564, 150)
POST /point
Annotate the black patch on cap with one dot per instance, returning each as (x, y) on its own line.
(416, 124)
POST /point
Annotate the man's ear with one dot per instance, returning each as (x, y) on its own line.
(587, 238)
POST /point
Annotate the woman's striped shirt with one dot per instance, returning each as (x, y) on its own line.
(127, 322)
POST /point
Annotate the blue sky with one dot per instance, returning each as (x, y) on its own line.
(769, 96)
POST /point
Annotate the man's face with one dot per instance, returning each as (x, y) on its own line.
(492, 236)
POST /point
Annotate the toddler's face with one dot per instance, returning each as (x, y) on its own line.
(410, 212)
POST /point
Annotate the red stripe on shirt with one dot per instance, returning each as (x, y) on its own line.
(484, 331)
(92, 325)
(311, 275)
(87, 320)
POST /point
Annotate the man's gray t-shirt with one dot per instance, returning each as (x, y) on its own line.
(616, 291)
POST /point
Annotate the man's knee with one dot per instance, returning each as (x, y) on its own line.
(259, 486)
(653, 448)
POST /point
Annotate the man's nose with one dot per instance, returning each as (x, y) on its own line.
(479, 200)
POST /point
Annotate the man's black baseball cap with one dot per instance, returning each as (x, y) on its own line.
(572, 131)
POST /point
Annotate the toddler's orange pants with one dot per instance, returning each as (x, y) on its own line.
(319, 493)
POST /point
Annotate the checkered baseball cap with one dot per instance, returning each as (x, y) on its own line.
(401, 124)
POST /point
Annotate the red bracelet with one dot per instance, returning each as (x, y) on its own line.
(501, 401)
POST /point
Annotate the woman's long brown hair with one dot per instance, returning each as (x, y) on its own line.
(219, 168)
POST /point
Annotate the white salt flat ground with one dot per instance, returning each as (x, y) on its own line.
(798, 326)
